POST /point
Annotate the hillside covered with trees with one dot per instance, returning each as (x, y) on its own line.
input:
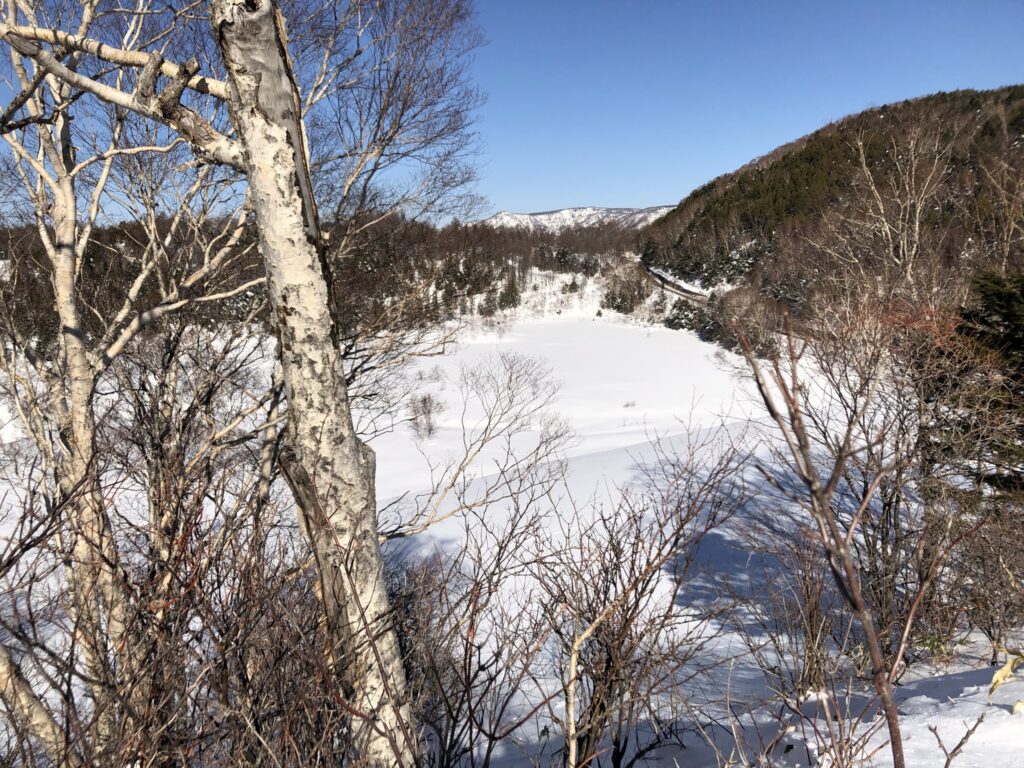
(927, 189)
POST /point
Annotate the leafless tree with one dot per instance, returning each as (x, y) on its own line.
(500, 400)
(388, 78)
(892, 228)
(986, 577)
(611, 581)
(804, 642)
(55, 390)
(998, 209)
(871, 414)
(473, 637)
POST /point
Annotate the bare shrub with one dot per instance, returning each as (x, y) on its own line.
(622, 645)
(423, 412)
(870, 416)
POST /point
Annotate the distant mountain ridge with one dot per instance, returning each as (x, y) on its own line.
(555, 222)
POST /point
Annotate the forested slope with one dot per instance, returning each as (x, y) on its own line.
(959, 150)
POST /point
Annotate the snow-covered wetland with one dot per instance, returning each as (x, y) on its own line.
(633, 397)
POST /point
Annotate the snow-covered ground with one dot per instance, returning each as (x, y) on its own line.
(623, 384)
(570, 218)
(622, 381)
(620, 385)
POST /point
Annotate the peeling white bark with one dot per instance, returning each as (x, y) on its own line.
(97, 604)
(330, 472)
(17, 692)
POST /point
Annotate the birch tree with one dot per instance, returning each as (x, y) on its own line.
(388, 76)
(66, 178)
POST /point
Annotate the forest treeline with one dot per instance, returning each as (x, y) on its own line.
(397, 273)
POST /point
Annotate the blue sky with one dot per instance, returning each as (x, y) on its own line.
(637, 102)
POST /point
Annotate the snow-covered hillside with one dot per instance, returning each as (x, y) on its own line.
(570, 218)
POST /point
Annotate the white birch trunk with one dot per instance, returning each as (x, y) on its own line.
(18, 694)
(96, 599)
(329, 470)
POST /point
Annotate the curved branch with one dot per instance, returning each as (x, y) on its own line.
(199, 83)
(206, 140)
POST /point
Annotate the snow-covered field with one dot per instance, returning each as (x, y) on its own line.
(623, 385)
(620, 385)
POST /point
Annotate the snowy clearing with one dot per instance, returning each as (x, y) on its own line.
(623, 385)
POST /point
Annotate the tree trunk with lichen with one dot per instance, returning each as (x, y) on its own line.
(330, 471)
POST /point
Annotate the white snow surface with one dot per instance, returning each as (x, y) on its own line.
(623, 384)
(564, 219)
